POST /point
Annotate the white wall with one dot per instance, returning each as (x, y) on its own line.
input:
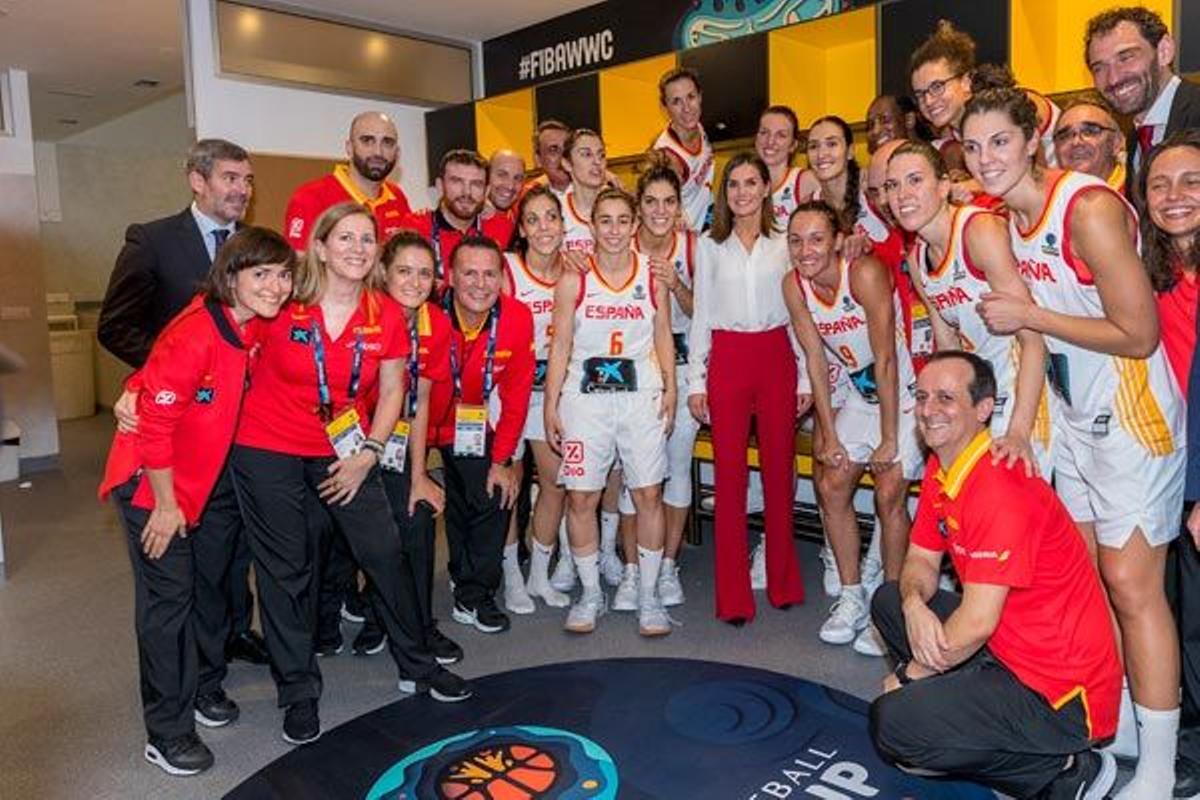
(281, 120)
(16, 151)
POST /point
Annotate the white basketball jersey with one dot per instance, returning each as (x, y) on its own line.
(577, 230)
(616, 322)
(696, 195)
(954, 287)
(869, 222)
(683, 258)
(538, 297)
(842, 323)
(786, 196)
(1094, 388)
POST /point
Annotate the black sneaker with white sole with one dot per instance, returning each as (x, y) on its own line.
(486, 616)
(445, 649)
(1090, 777)
(301, 724)
(183, 755)
(331, 646)
(215, 709)
(370, 641)
(443, 686)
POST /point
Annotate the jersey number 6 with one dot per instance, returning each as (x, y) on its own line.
(616, 343)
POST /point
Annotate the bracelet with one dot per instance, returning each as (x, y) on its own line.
(901, 673)
(374, 445)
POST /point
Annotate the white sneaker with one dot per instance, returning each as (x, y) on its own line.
(830, 579)
(516, 599)
(563, 577)
(758, 567)
(653, 619)
(550, 596)
(670, 590)
(869, 643)
(583, 615)
(708, 503)
(612, 568)
(626, 598)
(872, 576)
(847, 617)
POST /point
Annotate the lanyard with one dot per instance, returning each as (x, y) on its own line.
(413, 362)
(435, 236)
(489, 359)
(323, 393)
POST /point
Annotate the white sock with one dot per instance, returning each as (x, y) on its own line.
(511, 564)
(609, 522)
(668, 565)
(539, 563)
(1125, 743)
(854, 589)
(649, 562)
(589, 571)
(1155, 774)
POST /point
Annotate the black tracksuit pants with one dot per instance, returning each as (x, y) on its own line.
(417, 541)
(475, 528)
(976, 722)
(181, 608)
(273, 490)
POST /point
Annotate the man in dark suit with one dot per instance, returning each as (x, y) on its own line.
(1130, 52)
(156, 274)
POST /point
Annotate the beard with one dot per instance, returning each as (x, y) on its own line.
(465, 208)
(1140, 103)
(373, 169)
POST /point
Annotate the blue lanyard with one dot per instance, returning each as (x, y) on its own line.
(489, 359)
(323, 393)
(435, 238)
(414, 373)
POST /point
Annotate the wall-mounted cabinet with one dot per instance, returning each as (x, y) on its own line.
(575, 101)
(632, 86)
(734, 74)
(903, 26)
(448, 129)
(826, 66)
(505, 122)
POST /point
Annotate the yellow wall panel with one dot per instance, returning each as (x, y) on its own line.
(850, 80)
(506, 122)
(1046, 51)
(632, 87)
(824, 67)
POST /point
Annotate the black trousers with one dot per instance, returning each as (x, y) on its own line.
(976, 722)
(416, 539)
(475, 528)
(241, 599)
(181, 609)
(274, 490)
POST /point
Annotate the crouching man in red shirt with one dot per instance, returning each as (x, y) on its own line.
(1012, 682)
(478, 425)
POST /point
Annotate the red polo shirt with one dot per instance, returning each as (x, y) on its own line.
(498, 227)
(433, 358)
(1003, 528)
(512, 375)
(281, 409)
(311, 200)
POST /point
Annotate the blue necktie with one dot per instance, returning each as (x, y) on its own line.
(219, 236)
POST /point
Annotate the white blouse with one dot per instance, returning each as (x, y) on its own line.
(737, 291)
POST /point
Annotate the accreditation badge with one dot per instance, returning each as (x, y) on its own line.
(470, 431)
(345, 433)
(922, 331)
(395, 451)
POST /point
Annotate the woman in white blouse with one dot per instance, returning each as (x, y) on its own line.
(741, 367)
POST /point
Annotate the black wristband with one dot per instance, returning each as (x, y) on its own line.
(374, 446)
(901, 673)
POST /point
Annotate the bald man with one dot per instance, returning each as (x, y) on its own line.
(506, 176)
(373, 149)
(1088, 139)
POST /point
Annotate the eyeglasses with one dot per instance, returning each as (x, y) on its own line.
(935, 89)
(1087, 131)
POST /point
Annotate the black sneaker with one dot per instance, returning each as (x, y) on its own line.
(352, 609)
(445, 649)
(370, 640)
(331, 646)
(248, 647)
(185, 755)
(486, 617)
(215, 709)
(443, 686)
(1090, 777)
(301, 724)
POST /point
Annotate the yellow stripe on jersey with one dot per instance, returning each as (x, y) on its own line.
(1137, 408)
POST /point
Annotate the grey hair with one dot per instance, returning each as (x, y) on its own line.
(204, 153)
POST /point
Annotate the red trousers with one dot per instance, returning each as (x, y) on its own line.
(753, 375)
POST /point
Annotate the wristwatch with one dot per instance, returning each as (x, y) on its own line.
(901, 673)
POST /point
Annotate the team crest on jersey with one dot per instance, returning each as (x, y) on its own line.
(959, 272)
(1050, 245)
(847, 303)
(639, 292)
(301, 335)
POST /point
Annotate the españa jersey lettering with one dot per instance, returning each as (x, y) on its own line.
(616, 322)
(842, 324)
(698, 168)
(1094, 388)
(577, 230)
(538, 297)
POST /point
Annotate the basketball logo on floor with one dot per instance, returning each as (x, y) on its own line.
(519, 762)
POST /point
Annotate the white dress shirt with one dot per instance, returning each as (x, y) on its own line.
(735, 290)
